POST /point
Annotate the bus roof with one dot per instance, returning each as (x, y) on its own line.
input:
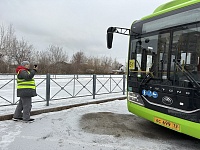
(170, 6)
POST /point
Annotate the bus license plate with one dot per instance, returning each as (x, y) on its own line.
(167, 124)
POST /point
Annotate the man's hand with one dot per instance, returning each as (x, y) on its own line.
(35, 67)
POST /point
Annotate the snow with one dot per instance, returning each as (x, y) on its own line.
(57, 130)
(105, 126)
(72, 93)
(61, 130)
(6, 110)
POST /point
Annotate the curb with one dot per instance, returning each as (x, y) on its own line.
(37, 112)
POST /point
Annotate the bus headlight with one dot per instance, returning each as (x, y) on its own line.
(135, 98)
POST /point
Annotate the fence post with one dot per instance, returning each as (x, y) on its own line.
(47, 88)
(94, 85)
(124, 83)
(14, 90)
(110, 84)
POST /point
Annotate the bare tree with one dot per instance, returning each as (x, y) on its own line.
(35, 57)
(21, 51)
(44, 62)
(97, 65)
(2, 49)
(115, 64)
(79, 58)
(57, 59)
(8, 37)
(79, 62)
(56, 54)
(2, 40)
(13, 51)
(106, 63)
(53, 60)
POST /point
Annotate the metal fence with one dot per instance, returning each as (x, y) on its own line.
(57, 87)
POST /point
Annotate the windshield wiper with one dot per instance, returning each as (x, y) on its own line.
(147, 77)
(188, 75)
(150, 74)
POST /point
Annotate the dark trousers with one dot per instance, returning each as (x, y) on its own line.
(23, 108)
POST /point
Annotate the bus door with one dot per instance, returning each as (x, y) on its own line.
(185, 73)
(186, 51)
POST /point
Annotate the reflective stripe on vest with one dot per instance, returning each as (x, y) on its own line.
(24, 84)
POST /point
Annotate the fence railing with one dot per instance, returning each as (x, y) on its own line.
(57, 87)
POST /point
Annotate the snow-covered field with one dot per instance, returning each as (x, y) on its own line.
(68, 89)
(62, 86)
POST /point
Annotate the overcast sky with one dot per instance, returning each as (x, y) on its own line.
(75, 25)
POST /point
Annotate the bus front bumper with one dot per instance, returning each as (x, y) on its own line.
(180, 125)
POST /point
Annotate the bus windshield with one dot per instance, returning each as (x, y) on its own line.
(156, 54)
(149, 52)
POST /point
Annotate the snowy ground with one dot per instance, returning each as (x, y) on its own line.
(106, 126)
(6, 110)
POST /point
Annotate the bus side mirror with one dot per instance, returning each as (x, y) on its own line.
(110, 32)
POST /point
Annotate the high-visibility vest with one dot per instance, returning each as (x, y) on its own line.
(24, 84)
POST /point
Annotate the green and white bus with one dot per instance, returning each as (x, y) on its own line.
(163, 79)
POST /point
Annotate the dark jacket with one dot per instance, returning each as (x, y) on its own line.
(27, 75)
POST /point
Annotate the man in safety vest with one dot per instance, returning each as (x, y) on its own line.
(26, 89)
